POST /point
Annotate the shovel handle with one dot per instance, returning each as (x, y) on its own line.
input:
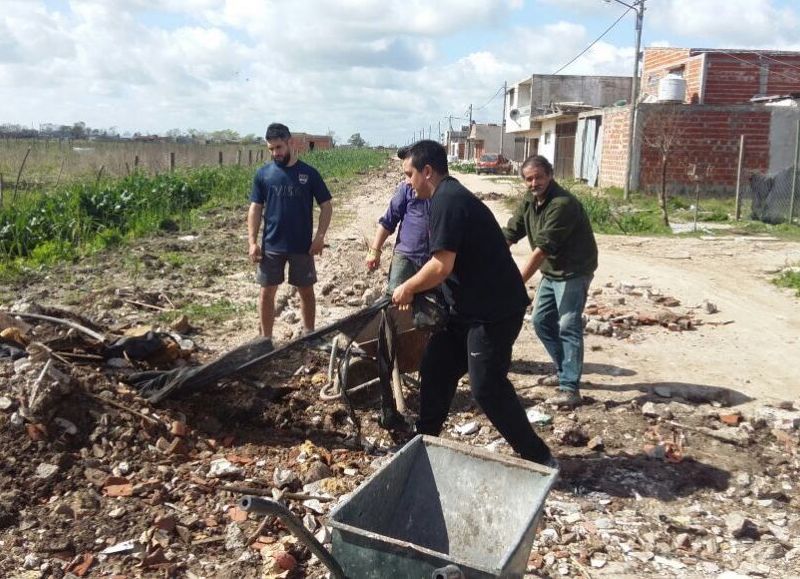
(264, 506)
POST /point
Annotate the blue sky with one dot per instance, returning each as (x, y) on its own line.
(384, 69)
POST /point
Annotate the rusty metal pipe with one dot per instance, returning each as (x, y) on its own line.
(264, 506)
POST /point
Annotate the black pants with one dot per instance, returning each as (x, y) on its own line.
(483, 350)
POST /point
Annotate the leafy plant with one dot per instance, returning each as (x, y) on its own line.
(789, 278)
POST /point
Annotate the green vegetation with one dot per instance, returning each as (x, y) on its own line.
(216, 312)
(88, 216)
(789, 278)
(462, 167)
(641, 215)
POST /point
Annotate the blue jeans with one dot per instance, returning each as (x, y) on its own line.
(402, 268)
(558, 322)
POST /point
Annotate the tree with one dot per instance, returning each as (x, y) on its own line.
(664, 133)
(78, 130)
(332, 135)
(356, 141)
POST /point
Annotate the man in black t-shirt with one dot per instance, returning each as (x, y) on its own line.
(487, 299)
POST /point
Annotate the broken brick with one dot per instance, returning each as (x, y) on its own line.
(80, 565)
(731, 419)
(166, 523)
(123, 490)
(237, 515)
(37, 432)
(178, 428)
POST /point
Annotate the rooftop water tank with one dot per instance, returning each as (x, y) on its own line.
(671, 89)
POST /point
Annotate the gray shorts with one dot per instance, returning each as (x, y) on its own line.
(302, 272)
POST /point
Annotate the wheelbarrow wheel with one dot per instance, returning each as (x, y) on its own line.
(362, 374)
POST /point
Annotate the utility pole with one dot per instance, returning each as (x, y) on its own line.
(439, 133)
(503, 124)
(638, 7)
(469, 130)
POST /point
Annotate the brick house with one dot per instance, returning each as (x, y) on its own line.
(723, 100)
(303, 142)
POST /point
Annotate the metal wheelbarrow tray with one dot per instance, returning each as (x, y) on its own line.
(442, 505)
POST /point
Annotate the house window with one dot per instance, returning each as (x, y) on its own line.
(677, 71)
(511, 94)
(547, 138)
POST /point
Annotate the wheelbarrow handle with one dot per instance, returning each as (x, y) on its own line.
(264, 506)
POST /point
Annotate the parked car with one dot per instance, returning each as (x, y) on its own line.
(494, 163)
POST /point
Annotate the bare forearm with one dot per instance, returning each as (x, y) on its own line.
(253, 223)
(432, 274)
(533, 264)
(325, 213)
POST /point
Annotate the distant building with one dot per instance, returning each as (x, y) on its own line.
(485, 138)
(456, 143)
(304, 142)
(542, 112)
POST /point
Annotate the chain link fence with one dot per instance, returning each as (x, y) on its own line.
(773, 198)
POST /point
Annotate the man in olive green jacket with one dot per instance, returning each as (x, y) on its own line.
(565, 251)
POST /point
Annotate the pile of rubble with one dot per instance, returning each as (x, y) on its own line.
(94, 481)
(627, 306)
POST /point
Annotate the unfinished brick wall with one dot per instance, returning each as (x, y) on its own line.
(702, 134)
(303, 142)
(615, 146)
(739, 76)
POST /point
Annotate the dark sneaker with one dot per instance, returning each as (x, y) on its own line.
(551, 380)
(565, 399)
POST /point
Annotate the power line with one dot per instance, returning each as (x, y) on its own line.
(595, 41)
(765, 57)
(490, 100)
(725, 52)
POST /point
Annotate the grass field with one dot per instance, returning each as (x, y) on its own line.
(89, 214)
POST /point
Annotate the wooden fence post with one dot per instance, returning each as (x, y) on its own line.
(135, 162)
(171, 161)
(19, 175)
(238, 156)
(220, 158)
(738, 212)
(249, 156)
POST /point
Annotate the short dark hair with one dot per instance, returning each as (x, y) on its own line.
(278, 131)
(427, 152)
(538, 161)
(402, 152)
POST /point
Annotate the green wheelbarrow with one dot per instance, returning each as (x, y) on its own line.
(437, 509)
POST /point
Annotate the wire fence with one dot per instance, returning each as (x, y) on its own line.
(42, 164)
(772, 198)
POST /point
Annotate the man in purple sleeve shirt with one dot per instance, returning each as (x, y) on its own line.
(411, 250)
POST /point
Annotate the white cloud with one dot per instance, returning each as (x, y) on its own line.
(728, 23)
(381, 68)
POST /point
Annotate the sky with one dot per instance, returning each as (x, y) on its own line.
(388, 70)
